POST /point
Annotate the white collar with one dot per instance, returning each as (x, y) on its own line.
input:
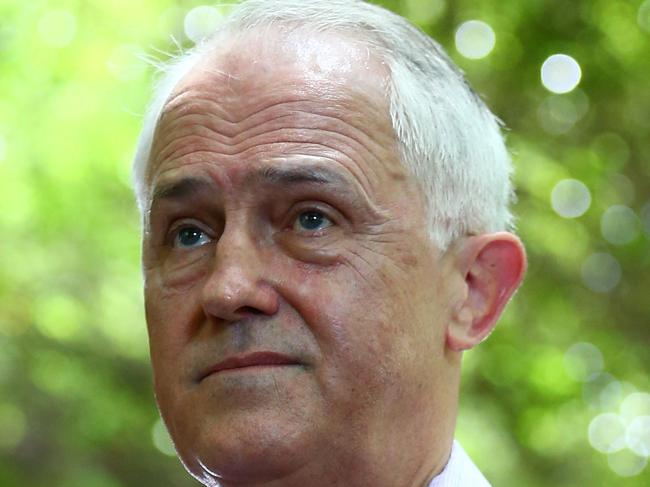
(460, 471)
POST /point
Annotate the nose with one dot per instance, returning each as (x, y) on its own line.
(236, 287)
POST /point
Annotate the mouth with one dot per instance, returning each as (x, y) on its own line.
(248, 362)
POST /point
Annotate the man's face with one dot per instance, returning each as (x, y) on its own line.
(296, 307)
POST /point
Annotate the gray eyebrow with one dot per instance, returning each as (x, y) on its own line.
(181, 189)
(188, 186)
(293, 175)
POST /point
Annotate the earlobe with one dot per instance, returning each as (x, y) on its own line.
(493, 266)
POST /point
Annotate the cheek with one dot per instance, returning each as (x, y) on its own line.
(379, 313)
(359, 318)
(169, 335)
(172, 319)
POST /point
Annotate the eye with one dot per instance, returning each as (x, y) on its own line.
(189, 237)
(311, 221)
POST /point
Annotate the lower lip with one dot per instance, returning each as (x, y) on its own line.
(252, 369)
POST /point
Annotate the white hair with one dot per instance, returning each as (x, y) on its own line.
(448, 139)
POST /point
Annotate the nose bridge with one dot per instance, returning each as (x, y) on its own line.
(236, 285)
(236, 256)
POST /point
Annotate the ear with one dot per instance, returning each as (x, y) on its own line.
(493, 266)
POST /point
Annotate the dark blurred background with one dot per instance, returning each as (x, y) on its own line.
(559, 394)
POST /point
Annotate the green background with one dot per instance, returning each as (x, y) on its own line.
(76, 406)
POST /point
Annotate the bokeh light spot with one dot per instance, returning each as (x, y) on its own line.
(582, 360)
(201, 22)
(644, 16)
(561, 73)
(636, 404)
(607, 433)
(601, 272)
(425, 12)
(637, 436)
(611, 395)
(626, 463)
(580, 101)
(570, 198)
(619, 225)
(57, 28)
(597, 390)
(475, 39)
(557, 115)
(161, 439)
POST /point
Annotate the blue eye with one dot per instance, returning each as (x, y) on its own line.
(188, 237)
(312, 221)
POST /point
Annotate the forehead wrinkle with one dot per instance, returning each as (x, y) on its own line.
(200, 121)
(216, 106)
(319, 121)
(208, 100)
(191, 157)
(204, 122)
(302, 134)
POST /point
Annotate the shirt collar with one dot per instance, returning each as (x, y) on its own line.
(460, 471)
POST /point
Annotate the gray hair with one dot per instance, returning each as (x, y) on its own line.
(448, 138)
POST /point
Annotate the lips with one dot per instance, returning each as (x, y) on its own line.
(255, 359)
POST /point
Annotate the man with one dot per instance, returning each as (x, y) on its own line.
(323, 201)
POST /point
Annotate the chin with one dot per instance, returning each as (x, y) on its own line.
(248, 448)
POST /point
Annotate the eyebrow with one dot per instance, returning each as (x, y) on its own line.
(188, 186)
(181, 189)
(296, 175)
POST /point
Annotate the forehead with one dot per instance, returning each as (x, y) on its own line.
(247, 68)
(250, 60)
(315, 91)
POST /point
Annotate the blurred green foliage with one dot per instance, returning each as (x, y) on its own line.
(76, 407)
